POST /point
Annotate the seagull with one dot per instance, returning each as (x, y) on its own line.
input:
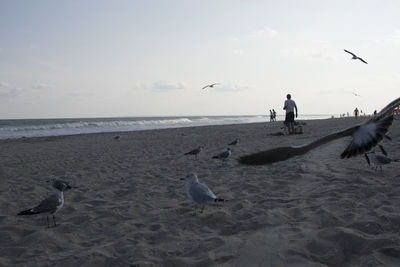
(378, 160)
(53, 203)
(355, 94)
(354, 56)
(195, 151)
(234, 142)
(199, 193)
(210, 85)
(365, 137)
(223, 155)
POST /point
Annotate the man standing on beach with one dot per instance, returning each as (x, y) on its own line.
(290, 106)
(356, 113)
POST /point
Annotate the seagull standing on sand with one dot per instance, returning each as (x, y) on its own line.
(365, 137)
(199, 193)
(378, 160)
(354, 56)
(52, 204)
(224, 155)
(210, 85)
(195, 151)
(234, 142)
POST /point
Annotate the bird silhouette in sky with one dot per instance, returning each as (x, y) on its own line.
(354, 56)
(210, 85)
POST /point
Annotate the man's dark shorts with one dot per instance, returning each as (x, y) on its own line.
(289, 117)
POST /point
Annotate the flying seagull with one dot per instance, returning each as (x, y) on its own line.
(354, 56)
(210, 85)
(355, 94)
(378, 160)
(365, 137)
(52, 204)
(199, 193)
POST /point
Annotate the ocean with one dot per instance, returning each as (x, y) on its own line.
(54, 127)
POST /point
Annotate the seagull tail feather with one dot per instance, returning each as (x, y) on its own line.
(28, 212)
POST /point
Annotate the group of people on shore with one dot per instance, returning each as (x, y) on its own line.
(272, 115)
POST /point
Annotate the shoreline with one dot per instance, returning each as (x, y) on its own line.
(179, 127)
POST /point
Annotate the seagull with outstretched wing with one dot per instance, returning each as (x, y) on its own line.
(354, 56)
(210, 85)
(365, 137)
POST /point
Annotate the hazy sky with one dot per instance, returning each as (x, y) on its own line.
(151, 58)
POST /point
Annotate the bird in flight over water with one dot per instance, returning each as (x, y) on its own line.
(210, 85)
(354, 56)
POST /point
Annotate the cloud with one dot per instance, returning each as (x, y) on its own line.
(167, 86)
(314, 50)
(7, 90)
(264, 33)
(47, 64)
(41, 86)
(393, 38)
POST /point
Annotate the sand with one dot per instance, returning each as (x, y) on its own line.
(131, 207)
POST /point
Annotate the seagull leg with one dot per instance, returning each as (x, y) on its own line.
(48, 225)
(366, 157)
(202, 209)
(383, 150)
(194, 213)
(54, 221)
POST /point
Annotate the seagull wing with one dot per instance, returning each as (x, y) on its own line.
(367, 136)
(200, 193)
(388, 109)
(362, 60)
(349, 52)
(205, 87)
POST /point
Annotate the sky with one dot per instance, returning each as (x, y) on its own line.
(96, 58)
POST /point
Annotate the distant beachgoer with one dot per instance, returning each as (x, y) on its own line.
(274, 114)
(375, 112)
(290, 106)
(356, 113)
(271, 116)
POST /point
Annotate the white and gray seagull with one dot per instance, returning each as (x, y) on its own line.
(53, 203)
(223, 155)
(210, 85)
(199, 193)
(354, 56)
(378, 160)
(364, 137)
(234, 142)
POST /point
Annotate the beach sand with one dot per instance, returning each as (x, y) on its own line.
(131, 208)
